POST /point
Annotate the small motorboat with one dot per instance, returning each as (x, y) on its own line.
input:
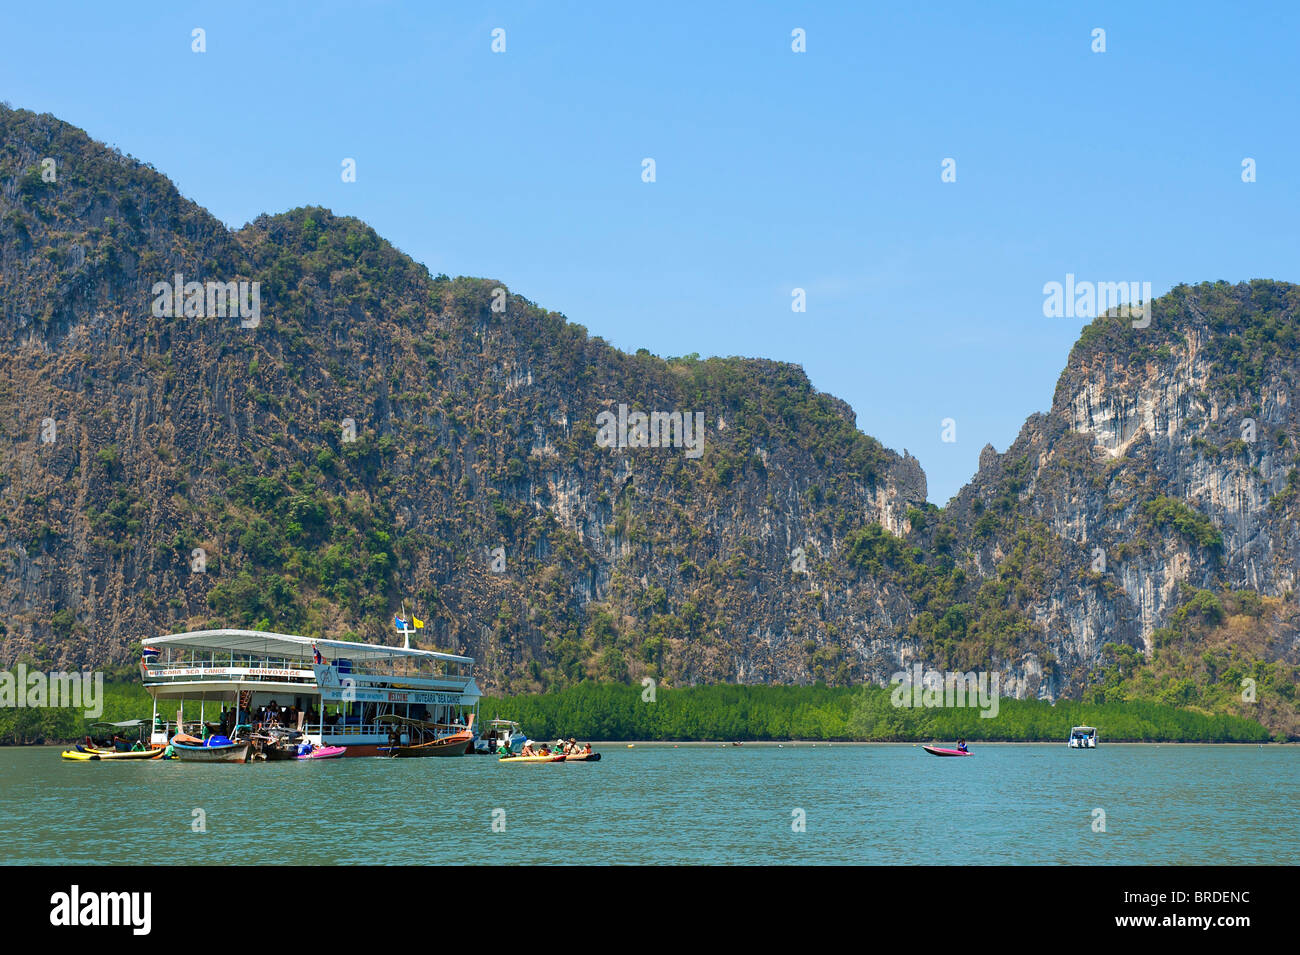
(1083, 737)
(549, 758)
(276, 744)
(937, 751)
(116, 736)
(500, 732)
(324, 752)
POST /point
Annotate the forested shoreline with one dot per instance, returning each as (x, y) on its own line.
(602, 711)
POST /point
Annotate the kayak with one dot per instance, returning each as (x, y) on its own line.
(936, 751)
(532, 759)
(97, 755)
(325, 752)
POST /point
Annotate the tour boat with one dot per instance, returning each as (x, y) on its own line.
(338, 690)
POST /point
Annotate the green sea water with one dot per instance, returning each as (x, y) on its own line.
(656, 803)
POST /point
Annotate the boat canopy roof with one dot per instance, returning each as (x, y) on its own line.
(1084, 729)
(124, 725)
(291, 646)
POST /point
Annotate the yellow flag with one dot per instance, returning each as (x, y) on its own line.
(419, 624)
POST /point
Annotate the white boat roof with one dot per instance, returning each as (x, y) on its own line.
(1086, 729)
(291, 646)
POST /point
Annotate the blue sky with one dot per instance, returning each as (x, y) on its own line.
(775, 170)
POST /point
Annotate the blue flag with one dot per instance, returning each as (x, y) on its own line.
(398, 622)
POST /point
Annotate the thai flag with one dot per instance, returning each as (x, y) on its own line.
(150, 653)
(320, 660)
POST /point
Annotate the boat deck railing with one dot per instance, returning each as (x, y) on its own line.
(293, 671)
(380, 729)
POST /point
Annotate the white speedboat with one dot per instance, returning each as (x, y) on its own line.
(1083, 737)
(495, 732)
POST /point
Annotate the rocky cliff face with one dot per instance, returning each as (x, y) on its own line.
(363, 433)
(1167, 463)
(376, 434)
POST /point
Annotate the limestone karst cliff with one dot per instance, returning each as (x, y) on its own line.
(374, 433)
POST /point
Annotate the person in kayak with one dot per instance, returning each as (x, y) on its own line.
(961, 746)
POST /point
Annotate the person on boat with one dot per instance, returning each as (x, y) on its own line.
(528, 749)
(587, 749)
(961, 746)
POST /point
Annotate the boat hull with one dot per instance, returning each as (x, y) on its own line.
(531, 759)
(234, 753)
(936, 751)
(326, 752)
(582, 758)
(450, 746)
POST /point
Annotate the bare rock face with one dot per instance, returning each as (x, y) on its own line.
(988, 456)
(375, 434)
(318, 430)
(1167, 464)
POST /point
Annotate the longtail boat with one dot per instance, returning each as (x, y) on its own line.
(213, 752)
(425, 738)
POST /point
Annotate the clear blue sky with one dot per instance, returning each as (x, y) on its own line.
(775, 170)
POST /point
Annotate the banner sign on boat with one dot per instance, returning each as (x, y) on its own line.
(276, 672)
(361, 694)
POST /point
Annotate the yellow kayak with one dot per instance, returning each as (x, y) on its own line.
(107, 754)
(553, 758)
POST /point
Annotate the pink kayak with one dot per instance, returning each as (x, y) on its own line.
(936, 751)
(325, 752)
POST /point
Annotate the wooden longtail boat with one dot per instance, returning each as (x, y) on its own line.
(429, 743)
